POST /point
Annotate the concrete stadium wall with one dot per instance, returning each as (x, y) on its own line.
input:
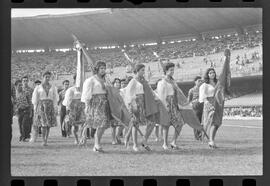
(239, 85)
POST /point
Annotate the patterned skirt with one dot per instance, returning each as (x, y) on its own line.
(138, 111)
(212, 114)
(98, 113)
(45, 115)
(76, 114)
(175, 116)
(115, 123)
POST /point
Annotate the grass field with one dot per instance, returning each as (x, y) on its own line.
(239, 153)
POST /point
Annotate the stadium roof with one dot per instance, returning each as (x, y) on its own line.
(124, 25)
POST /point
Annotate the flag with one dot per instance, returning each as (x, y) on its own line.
(150, 103)
(80, 72)
(224, 80)
(127, 57)
(117, 106)
(87, 56)
(187, 112)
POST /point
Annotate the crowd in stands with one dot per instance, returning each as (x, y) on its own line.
(65, 62)
(253, 111)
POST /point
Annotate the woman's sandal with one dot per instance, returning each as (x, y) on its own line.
(212, 145)
(174, 147)
(146, 147)
(98, 150)
(165, 147)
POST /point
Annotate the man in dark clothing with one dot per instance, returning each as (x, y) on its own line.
(23, 111)
(193, 97)
(62, 107)
(28, 91)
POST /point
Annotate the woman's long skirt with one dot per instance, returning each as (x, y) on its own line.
(174, 113)
(45, 115)
(138, 111)
(76, 114)
(98, 112)
(212, 114)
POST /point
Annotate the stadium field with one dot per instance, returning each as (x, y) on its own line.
(239, 153)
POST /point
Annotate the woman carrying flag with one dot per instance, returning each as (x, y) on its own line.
(74, 108)
(97, 109)
(167, 93)
(212, 93)
(140, 101)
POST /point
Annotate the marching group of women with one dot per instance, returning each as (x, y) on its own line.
(90, 107)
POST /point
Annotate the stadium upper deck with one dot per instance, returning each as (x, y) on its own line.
(120, 26)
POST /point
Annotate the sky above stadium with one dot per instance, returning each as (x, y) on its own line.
(30, 12)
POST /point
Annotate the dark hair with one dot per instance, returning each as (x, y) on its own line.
(123, 80)
(37, 81)
(167, 66)
(47, 73)
(74, 77)
(206, 77)
(115, 79)
(138, 67)
(98, 65)
(17, 82)
(25, 77)
(129, 78)
(197, 77)
(65, 81)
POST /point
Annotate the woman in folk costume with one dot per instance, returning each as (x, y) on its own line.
(212, 92)
(140, 101)
(44, 99)
(74, 108)
(97, 109)
(166, 91)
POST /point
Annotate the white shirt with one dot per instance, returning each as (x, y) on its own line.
(91, 86)
(40, 94)
(122, 92)
(139, 87)
(206, 90)
(131, 90)
(71, 94)
(163, 90)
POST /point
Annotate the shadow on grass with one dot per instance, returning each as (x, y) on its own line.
(221, 151)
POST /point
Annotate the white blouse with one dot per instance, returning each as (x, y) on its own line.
(163, 90)
(122, 92)
(91, 86)
(71, 94)
(40, 94)
(206, 90)
(139, 87)
(131, 90)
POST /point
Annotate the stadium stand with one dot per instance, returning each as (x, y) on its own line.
(187, 55)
